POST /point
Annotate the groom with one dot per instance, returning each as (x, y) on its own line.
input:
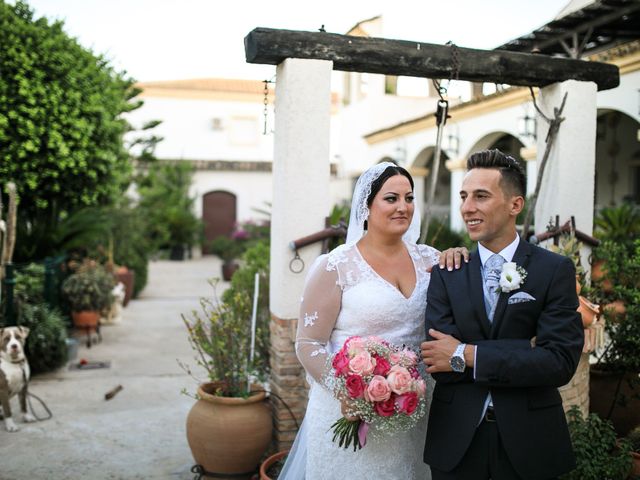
(501, 339)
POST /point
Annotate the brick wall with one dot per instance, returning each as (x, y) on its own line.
(287, 381)
(576, 392)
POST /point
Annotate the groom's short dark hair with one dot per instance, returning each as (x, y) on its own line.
(513, 180)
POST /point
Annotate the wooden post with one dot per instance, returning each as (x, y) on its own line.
(301, 171)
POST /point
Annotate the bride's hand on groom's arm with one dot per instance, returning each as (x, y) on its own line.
(436, 353)
(452, 258)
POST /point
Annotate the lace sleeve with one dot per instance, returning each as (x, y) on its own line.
(430, 256)
(318, 313)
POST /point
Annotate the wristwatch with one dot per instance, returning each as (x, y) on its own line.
(457, 359)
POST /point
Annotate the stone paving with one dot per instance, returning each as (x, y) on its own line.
(140, 433)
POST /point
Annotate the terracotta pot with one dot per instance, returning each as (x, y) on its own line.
(588, 310)
(604, 401)
(598, 274)
(86, 320)
(229, 435)
(228, 269)
(264, 468)
(635, 465)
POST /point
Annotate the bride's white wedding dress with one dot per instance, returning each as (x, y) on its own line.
(343, 297)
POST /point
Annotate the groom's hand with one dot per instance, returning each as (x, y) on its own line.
(436, 354)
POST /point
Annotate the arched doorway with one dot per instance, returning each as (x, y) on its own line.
(218, 215)
(617, 159)
(505, 142)
(441, 200)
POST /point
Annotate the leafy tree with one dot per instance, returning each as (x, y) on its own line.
(61, 125)
(167, 206)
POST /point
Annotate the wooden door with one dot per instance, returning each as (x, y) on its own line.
(218, 215)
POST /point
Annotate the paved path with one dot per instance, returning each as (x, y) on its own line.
(140, 433)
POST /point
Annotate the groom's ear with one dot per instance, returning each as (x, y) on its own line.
(517, 205)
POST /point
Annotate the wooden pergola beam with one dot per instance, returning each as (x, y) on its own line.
(414, 59)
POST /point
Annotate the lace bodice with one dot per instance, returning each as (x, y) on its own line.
(344, 296)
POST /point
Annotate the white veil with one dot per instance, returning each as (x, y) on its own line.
(296, 464)
(360, 209)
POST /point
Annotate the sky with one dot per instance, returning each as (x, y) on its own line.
(182, 39)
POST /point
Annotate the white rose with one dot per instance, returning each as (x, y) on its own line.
(510, 278)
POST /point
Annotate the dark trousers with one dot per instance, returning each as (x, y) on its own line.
(485, 459)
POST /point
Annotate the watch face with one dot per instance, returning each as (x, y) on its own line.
(457, 364)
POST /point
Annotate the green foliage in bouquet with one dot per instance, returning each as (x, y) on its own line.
(599, 455)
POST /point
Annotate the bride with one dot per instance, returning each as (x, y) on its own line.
(375, 284)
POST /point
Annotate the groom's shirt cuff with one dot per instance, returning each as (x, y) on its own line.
(475, 365)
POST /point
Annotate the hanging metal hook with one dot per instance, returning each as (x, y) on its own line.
(296, 260)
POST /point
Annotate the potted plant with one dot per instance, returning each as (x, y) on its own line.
(231, 403)
(88, 291)
(599, 454)
(634, 440)
(615, 384)
(228, 250)
(272, 466)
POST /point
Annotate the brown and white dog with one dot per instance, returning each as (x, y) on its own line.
(14, 373)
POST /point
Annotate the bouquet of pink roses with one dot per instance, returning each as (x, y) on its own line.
(383, 385)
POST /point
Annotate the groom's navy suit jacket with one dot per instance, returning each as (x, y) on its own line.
(523, 380)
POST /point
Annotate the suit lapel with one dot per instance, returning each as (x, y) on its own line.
(477, 293)
(521, 258)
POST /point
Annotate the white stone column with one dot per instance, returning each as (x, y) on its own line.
(458, 169)
(530, 156)
(568, 183)
(300, 205)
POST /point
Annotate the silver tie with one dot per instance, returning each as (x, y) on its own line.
(492, 270)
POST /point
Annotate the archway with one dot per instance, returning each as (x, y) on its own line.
(617, 159)
(503, 141)
(441, 200)
(218, 214)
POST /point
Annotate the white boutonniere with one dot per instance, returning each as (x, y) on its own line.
(512, 277)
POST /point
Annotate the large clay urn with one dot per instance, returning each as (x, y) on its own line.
(229, 435)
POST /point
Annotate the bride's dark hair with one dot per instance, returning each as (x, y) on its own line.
(376, 185)
(384, 176)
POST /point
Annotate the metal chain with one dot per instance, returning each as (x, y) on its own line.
(266, 105)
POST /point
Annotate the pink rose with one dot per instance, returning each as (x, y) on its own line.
(420, 387)
(395, 357)
(355, 386)
(414, 373)
(410, 355)
(341, 363)
(399, 379)
(362, 364)
(385, 408)
(407, 403)
(356, 345)
(382, 366)
(378, 390)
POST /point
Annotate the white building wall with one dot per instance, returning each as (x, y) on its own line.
(252, 190)
(188, 129)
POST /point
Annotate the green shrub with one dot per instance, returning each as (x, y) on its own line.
(46, 346)
(220, 332)
(441, 236)
(89, 289)
(599, 455)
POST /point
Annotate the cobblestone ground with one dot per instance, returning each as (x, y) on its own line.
(140, 433)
